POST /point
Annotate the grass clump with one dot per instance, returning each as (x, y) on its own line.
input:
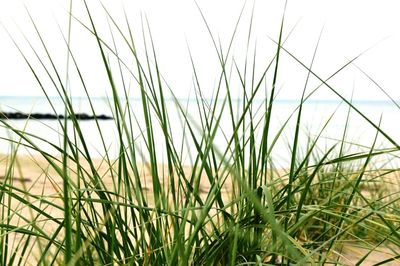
(228, 204)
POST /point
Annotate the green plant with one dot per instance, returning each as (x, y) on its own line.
(233, 206)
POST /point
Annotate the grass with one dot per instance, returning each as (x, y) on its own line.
(232, 206)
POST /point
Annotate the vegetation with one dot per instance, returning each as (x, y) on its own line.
(233, 206)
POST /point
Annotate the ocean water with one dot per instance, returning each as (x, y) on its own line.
(326, 119)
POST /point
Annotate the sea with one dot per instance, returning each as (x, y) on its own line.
(324, 124)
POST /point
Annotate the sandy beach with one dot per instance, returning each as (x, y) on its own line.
(34, 175)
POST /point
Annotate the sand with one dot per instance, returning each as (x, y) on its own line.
(33, 174)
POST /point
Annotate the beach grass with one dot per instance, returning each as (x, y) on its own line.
(230, 204)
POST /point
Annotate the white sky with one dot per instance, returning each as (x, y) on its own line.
(350, 27)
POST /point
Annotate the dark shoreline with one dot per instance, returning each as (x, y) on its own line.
(78, 116)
